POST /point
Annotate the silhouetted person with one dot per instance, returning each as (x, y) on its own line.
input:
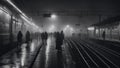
(58, 41)
(103, 35)
(28, 38)
(62, 37)
(19, 38)
(55, 34)
(43, 37)
(46, 37)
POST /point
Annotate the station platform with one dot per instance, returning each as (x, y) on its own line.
(75, 53)
(20, 57)
(50, 57)
(38, 55)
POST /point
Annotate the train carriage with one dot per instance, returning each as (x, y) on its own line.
(11, 22)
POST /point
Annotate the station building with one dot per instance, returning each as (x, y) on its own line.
(111, 26)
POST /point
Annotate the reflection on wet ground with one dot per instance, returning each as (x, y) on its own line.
(50, 53)
(20, 57)
(48, 56)
(75, 53)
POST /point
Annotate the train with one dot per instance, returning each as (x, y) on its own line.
(11, 22)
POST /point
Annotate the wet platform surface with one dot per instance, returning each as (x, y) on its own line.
(76, 53)
(20, 57)
(50, 57)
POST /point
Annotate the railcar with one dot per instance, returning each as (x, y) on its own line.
(11, 22)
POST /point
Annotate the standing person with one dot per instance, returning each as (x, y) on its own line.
(43, 37)
(58, 41)
(103, 35)
(28, 38)
(46, 36)
(19, 38)
(62, 37)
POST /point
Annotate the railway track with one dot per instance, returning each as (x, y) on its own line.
(87, 54)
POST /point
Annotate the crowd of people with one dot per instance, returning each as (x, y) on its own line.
(44, 37)
(59, 39)
(59, 36)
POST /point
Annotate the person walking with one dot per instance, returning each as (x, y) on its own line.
(19, 38)
(45, 37)
(58, 41)
(62, 37)
(28, 38)
(103, 35)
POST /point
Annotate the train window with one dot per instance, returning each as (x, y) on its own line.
(4, 22)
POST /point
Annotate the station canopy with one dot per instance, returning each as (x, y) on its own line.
(108, 23)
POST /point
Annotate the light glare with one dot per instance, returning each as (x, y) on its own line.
(67, 26)
(53, 16)
(91, 28)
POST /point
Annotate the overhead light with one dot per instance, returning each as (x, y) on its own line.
(53, 16)
(67, 26)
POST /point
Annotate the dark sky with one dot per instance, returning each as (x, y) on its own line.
(72, 11)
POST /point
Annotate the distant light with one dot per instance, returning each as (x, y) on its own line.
(91, 28)
(67, 26)
(68, 30)
(53, 16)
(97, 31)
(51, 28)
